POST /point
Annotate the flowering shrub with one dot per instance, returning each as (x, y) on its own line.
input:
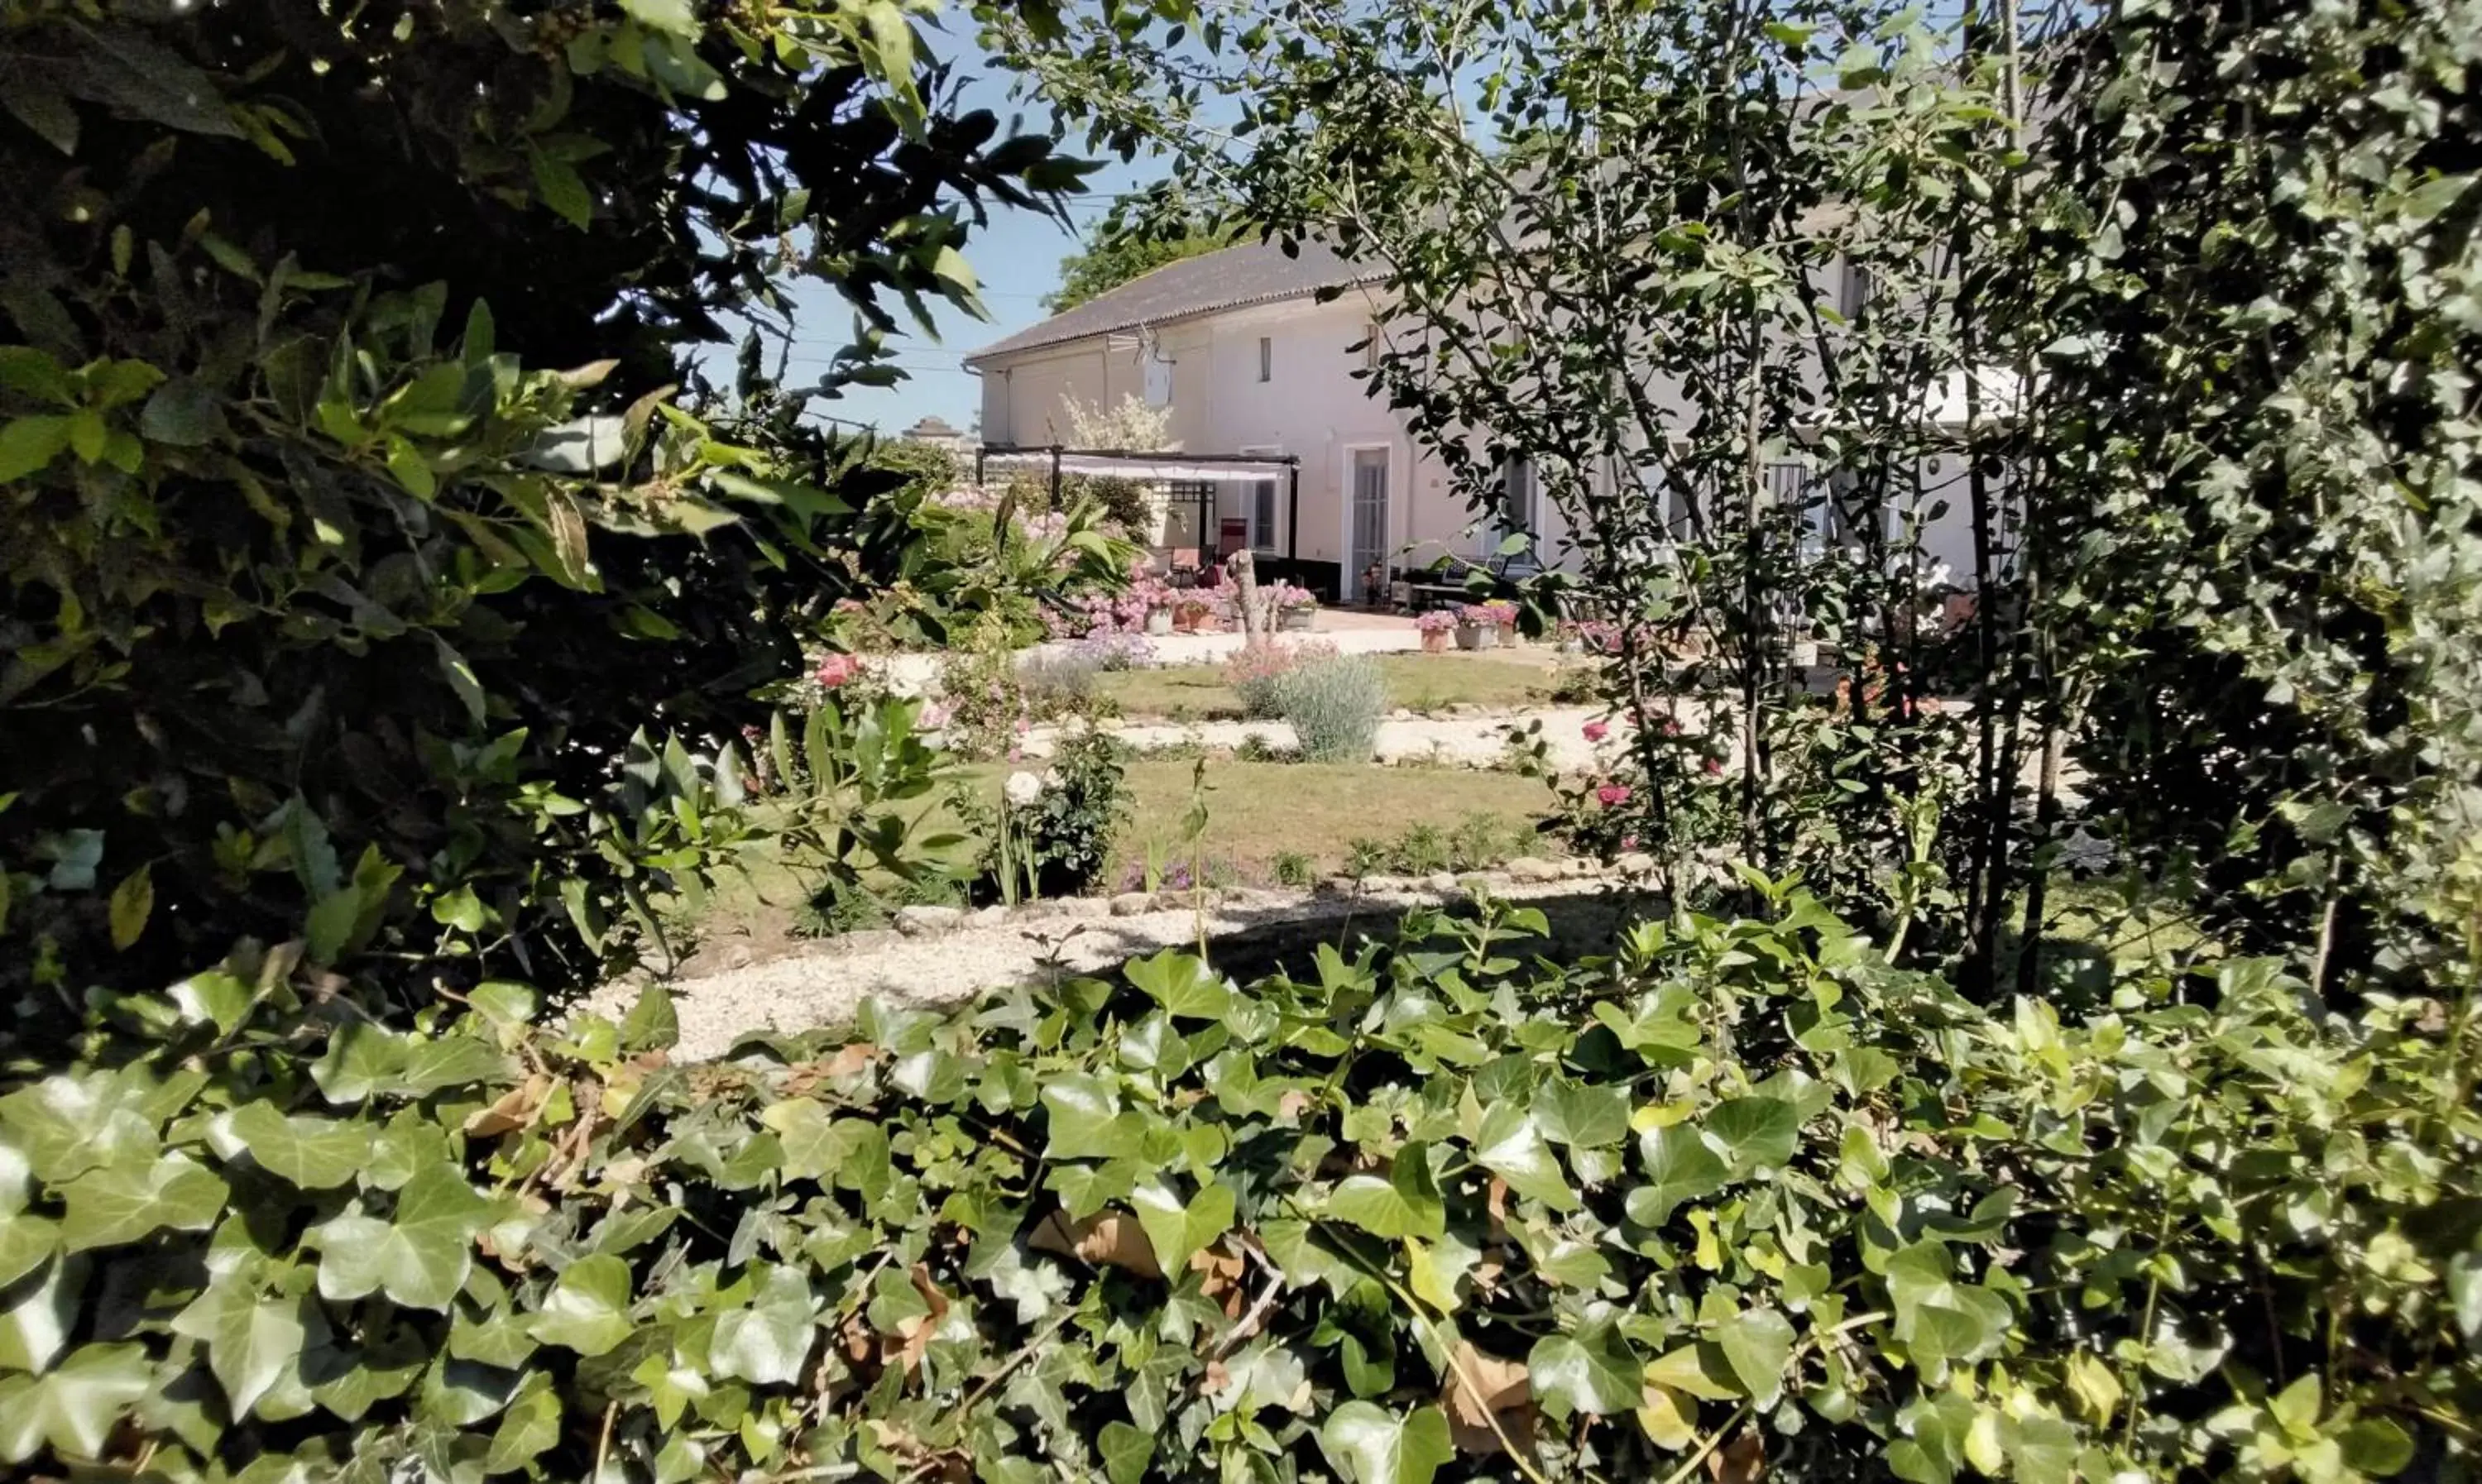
(1116, 651)
(1254, 671)
(1051, 834)
(1122, 612)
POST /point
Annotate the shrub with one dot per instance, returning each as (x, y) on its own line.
(1056, 682)
(1334, 704)
(1057, 838)
(1423, 849)
(1293, 869)
(1744, 1187)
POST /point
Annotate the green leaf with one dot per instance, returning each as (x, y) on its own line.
(1591, 1371)
(1176, 1231)
(675, 17)
(1406, 1203)
(28, 370)
(561, 189)
(451, 1061)
(528, 1429)
(66, 1126)
(1086, 1121)
(252, 1343)
(2376, 1446)
(768, 1341)
(588, 1308)
(361, 1060)
(132, 902)
(1757, 1343)
(25, 1241)
(1753, 1134)
(1679, 1167)
(420, 1257)
(28, 444)
(310, 1153)
(1126, 1452)
(1370, 1444)
(651, 1023)
(1511, 1146)
(121, 1203)
(1685, 1370)
(460, 680)
(214, 998)
(1583, 1117)
(184, 413)
(75, 1407)
(1185, 986)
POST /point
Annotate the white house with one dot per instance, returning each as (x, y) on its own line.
(1239, 347)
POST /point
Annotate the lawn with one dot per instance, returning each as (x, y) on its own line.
(1307, 816)
(1418, 682)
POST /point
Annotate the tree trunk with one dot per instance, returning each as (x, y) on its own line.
(1245, 577)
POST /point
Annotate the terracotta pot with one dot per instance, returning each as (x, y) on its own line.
(1435, 641)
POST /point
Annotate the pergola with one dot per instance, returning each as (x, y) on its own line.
(1210, 471)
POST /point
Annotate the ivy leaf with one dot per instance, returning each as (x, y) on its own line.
(1591, 1371)
(1756, 1343)
(309, 1153)
(1679, 1167)
(213, 998)
(1185, 987)
(1176, 1231)
(420, 1257)
(1370, 1444)
(25, 1241)
(1685, 1370)
(1511, 1146)
(361, 1060)
(121, 1203)
(1753, 1134)
(1086, 1121)
(75, 1407)
(588, 1308)
(651, 1023)
(529, 1428)
(251, 1341)
(1583, 1117)
(1406, 1203)
(66, 1126)
(767, 1342)
(1126, 1452)
(450, 1061)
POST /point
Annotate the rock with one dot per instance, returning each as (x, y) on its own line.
(992, 916)
(1441, 881)
(1133, 904)
(1579, 865)
(738, 958)
(923, 922)
(1400, 714)
(1340, 886)
(1532, 868)
(1636, 862)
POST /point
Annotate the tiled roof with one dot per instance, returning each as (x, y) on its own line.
(1252, 273)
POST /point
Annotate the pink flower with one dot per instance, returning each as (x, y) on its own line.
(1671, 728)
(1628, 842)
(835, 669)
(1713, 767)
(1596, 732)
(1612, 795)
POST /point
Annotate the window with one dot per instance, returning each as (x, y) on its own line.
(1262, 515)
(1266, 359)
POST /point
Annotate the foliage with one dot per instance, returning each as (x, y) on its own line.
(1139, 234)
(1051, 834)
(1743, 1187)
(1255, 673)
(1130, 424)
(1334, 704)
(2265, 286)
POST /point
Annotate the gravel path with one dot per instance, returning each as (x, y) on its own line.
(1469, 741)
(947, 957)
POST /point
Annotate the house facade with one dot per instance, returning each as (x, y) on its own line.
(1247, 359)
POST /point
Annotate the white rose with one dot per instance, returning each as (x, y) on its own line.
(1022, 788)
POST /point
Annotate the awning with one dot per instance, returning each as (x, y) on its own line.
(1168, 468)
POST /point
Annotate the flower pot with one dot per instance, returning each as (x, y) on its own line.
(1508, 636)
(1158, 620)
(1476, 636)
(1295, 621)
(1435, 641)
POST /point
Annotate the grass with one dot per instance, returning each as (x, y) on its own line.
(1265, 821)
(1418, 682)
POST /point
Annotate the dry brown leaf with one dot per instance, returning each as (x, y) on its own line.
(1106, 1239)
(860, 1343)
(1495, 1202)
(1221, 1278)
(850, 1058)
(1741, 1461)
(1293, 1105)
(514, 1109)
(1480, 1386)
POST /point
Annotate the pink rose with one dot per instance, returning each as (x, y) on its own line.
(1613, 795)
(1596, 732)
(835, 669)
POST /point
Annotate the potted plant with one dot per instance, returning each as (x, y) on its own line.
(1502, 617)
(1159, 616)
(1194, 613)
(1476, 628)
(1296, 610)
(1434, 625)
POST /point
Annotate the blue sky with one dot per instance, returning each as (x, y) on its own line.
(1016, 257)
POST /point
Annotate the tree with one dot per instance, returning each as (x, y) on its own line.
(1135, 239)
(367, 591)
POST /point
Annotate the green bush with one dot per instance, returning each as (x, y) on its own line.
(1744, 1186)
(1334, 704)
